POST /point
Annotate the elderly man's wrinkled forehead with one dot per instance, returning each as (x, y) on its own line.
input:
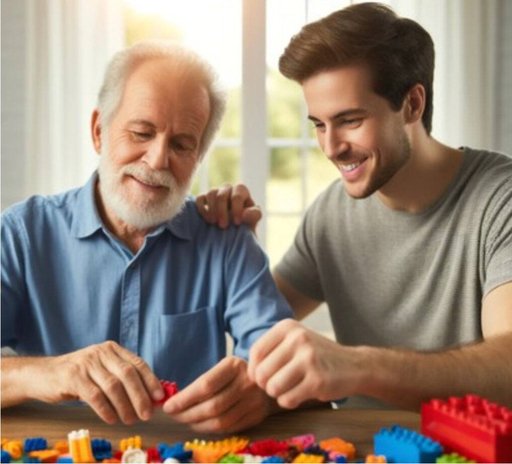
(158, 89)
(167, 74)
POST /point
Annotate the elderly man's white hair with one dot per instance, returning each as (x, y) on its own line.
(186, 61)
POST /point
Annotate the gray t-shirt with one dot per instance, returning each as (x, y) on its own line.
(392, 278)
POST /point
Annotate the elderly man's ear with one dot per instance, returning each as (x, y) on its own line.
(96, 130)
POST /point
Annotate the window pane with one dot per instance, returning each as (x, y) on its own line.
(284, 106)
(280, 233)
(283, 187)
(284, 98)
(224, 166)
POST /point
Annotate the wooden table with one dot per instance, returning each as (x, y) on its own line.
(55, 422)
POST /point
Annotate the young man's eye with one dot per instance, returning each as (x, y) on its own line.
(356, 122)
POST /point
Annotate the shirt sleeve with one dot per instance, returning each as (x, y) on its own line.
(498, 241)
(299, 265)
(14, 294)
(254, 304)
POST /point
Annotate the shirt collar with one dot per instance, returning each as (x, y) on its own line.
(86, 219)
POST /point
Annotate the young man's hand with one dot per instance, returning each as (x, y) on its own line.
(222, 400)
(294, 364)
(229, 204)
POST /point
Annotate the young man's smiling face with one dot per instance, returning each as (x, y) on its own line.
(356, 128)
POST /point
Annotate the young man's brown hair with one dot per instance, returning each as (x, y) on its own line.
(398, 51)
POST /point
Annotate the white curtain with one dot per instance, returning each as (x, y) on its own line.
(55, 58)
(465, 34)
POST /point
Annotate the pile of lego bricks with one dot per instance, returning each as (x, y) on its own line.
(467, 429)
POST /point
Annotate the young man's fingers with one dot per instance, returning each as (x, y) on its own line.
(294, 397)
(223, 205)
(266, 344)
(285, 379)
(202, 206)
(251, 216)
(240, 201)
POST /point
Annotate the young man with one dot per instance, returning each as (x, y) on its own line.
(107, 288)
(411, 250)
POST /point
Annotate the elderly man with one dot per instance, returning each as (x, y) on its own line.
(109, 287)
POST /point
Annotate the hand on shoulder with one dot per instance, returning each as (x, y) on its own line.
(229, 204)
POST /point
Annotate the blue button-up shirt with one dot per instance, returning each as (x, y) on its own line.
(67, 283)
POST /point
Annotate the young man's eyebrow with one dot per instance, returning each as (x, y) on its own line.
(341, 114)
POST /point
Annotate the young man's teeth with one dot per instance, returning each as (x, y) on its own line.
(350, 167)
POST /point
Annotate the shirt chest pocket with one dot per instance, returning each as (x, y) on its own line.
(187, 345)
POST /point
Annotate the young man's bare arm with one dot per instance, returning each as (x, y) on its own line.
(294, 364)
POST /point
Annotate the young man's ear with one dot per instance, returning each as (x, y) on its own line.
(414, 103)
(96, 130)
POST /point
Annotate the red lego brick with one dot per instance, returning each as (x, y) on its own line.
(170, 389)
(471, 426)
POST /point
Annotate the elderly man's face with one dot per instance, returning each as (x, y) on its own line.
(153, 144)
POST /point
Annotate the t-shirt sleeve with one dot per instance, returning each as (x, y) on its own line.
(253, 302)
(498, 239)
(299, 265)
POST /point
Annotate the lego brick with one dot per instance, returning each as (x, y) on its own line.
(35, 444)
(399, 444)
(79, 443)
(101, 449)
(170, 389)
(470, 425)
(340, 446)
(267, 447)
(452, 457)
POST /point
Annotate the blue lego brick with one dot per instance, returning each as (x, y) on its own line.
(101, 449)
(399, 444)
(65, 459)
(176, 451)
(35, 444)
(5, 456)
(273, 459)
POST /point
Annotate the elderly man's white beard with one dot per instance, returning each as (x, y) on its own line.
(139, 212)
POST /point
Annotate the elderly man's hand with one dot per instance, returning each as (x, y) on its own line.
(229, 204)
(222, 400)
(117, 384)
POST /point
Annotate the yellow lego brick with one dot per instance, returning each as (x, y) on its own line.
(14, 448)
(303, 457)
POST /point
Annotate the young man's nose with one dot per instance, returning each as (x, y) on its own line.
(334, 144)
